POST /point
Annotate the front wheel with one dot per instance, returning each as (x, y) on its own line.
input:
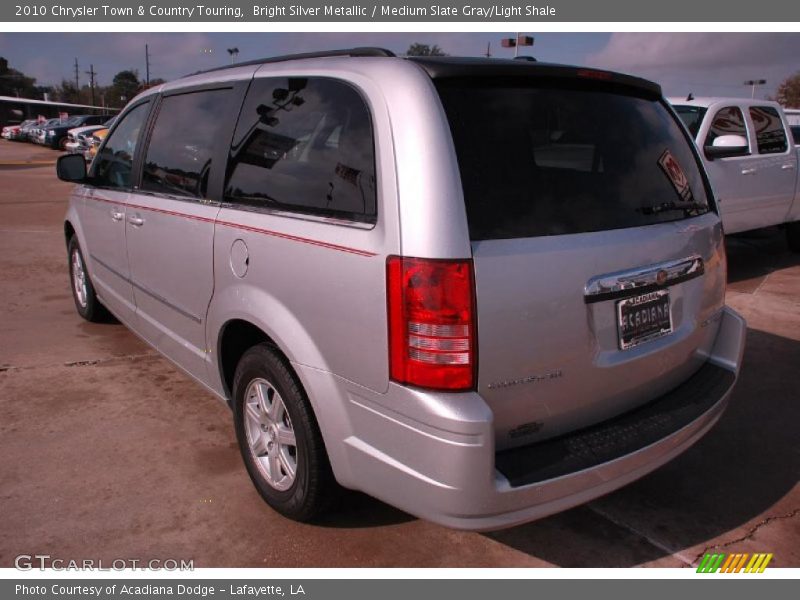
(86, 302)
(793, 236)
(279, 438)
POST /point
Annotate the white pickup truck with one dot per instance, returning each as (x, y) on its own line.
(752, 161)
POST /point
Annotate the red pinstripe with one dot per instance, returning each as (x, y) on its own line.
(250, 228)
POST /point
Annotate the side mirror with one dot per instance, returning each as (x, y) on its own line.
(71, 167)
(727, 145)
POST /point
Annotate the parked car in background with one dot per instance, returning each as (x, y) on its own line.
(19, 133)
(55, 136)
(752, 160)
(481, 290)
(26, 128)
(14, 132)
(93, 143)
(78, 138)
(36, 132)
(6, 131)
(792, 116)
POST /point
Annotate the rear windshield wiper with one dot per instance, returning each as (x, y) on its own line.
(695, 208)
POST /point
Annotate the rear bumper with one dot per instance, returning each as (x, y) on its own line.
(433, 455)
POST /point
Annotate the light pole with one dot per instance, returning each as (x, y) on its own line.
(753, 83)
(233, 52)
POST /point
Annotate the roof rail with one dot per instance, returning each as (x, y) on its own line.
(355, 52)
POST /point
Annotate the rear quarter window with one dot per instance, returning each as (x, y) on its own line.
(304, 145)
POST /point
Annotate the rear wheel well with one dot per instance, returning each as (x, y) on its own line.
(69, 231)
(237, 337)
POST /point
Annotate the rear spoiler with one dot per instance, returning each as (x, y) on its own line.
(452, 68)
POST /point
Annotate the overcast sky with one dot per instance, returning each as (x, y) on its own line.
(701, 63)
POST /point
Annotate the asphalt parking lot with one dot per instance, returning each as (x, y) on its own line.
(108, 452)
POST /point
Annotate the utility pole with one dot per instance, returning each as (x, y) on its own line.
(91, 73)
(147, 65)
(77, 84)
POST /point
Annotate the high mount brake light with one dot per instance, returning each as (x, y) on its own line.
(592, 74)
(432, 332)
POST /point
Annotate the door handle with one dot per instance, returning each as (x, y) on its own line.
(748, 171)
(136, 221)
(787, 166)
(117, 216)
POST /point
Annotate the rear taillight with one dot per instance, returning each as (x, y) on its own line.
(431, 306)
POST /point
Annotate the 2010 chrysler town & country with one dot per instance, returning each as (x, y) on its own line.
(483, 291)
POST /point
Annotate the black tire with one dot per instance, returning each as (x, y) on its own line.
(793, 236)
(89, 307)
(313, 487)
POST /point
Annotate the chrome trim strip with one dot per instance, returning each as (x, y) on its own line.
(150, 293)
(642, 280)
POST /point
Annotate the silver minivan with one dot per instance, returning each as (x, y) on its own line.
(480, 290)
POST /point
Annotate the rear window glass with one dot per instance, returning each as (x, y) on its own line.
(770, 135)
(559, 158)
(692, 117)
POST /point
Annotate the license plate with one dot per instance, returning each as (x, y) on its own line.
(643, 318)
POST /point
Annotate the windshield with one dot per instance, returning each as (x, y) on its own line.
(567, 157)
(692, 117)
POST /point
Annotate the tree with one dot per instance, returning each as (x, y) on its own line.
(789, 91)
(15, 83)
(66, 92)
(125, 86)
(154, 82)
(425, 50)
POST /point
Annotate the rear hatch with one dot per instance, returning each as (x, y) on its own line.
(599, 259)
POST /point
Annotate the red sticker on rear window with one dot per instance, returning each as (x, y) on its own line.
(676, 176)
